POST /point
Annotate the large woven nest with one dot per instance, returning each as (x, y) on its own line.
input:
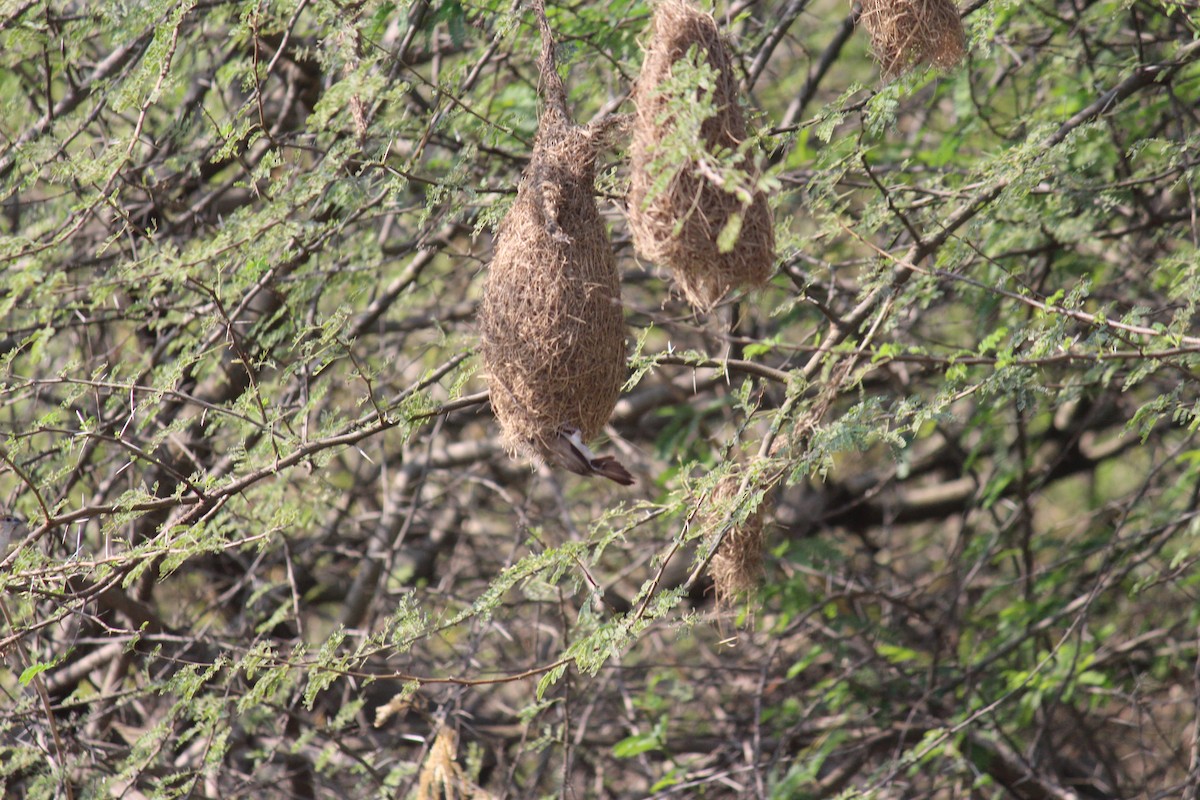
(906, 34)
(676, 222)
(551, 321)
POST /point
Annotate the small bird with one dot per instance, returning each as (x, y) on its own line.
(11, 527)
(568, 451)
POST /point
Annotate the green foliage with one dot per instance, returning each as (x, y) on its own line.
(276, 544)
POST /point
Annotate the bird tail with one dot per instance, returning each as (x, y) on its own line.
(612, 469)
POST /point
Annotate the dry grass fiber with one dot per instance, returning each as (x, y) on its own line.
(906, 34)
(678, 226)
(441, 776)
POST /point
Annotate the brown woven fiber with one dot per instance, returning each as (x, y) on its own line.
(737, 566)
(906, 34)
(553, 331)
(678, 225)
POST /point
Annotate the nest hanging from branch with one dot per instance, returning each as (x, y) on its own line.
(553, 331)
(906, 34)
(708, 224)
(737, 566)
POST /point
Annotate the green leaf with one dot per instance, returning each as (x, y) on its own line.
(635, 745)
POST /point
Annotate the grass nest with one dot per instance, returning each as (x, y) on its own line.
(707, 222)
(737, 566)
(551, 322)
(906, 34)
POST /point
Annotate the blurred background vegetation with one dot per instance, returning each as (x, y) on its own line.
(274, 548)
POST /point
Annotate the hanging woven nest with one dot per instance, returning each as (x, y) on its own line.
(906, 34)
(737, 566)
(708, 224)
(553, 330)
